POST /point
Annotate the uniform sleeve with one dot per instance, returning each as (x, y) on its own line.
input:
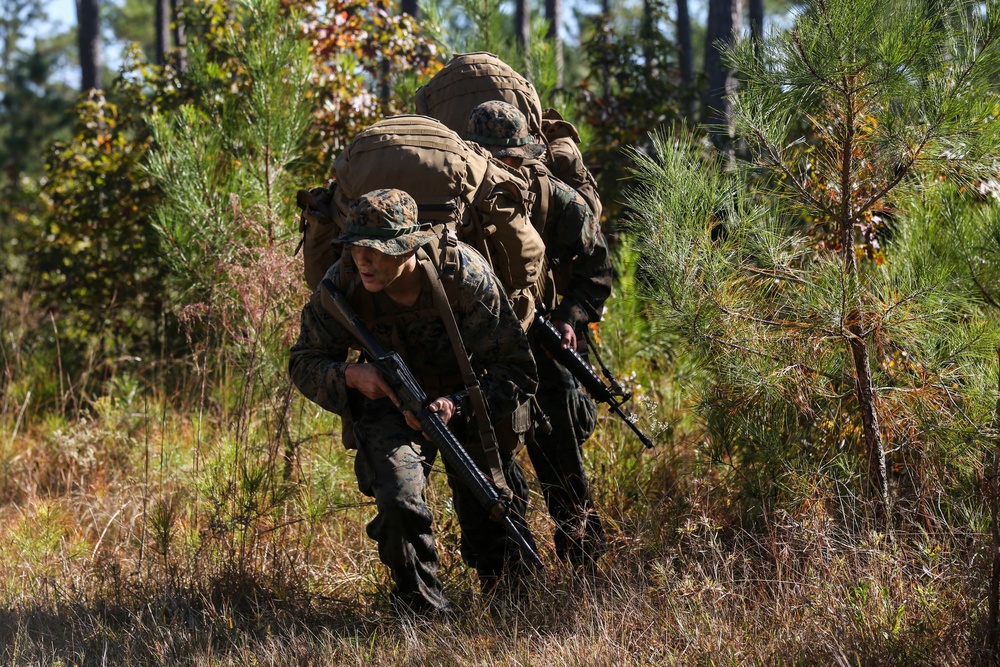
(494, 338)
(579, 255)
(319, 358)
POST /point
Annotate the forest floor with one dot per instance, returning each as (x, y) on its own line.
(147, 537)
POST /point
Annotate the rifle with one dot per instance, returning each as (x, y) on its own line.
(551, 341)
(413, 398)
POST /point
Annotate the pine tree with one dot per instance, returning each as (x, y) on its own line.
(801, 280)
(483, 25)
(226, 164)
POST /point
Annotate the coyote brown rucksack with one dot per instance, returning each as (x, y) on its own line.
(457, 185)
(470, 79)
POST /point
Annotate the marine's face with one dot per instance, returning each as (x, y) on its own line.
(379, 270)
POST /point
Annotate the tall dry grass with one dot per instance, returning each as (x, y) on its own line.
(223, 527)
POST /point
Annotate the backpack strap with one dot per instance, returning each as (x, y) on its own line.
(540, 213)
(447, 262)
(487, 437)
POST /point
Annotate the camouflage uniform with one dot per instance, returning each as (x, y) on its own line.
(393, 460)
(577, 252)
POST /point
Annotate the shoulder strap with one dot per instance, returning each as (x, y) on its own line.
(487, 436)
(443, 252)
(541, 215)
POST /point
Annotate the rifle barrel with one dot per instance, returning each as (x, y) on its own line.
(581, 369)
(631, 424)
(469, 474)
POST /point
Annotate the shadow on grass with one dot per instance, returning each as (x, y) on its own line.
(184, 629)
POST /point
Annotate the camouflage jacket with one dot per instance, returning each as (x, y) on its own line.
(490, 330)
(575, 248)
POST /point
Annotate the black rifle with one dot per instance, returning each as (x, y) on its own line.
(413, 398)
(581, 369)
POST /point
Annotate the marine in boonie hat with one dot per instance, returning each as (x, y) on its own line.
(385, 220)
(501, 128)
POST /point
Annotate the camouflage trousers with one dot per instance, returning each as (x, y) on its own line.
(558, 460)
(392, 465)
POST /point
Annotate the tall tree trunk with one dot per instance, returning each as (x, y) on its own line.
(11, 23)
(162, 30)
(724, 18)
(993, 500)
(684, 42)
(522, 23)
(605, 68)
(179, 39)
(88, 20)
(385, 69)
(878, 483)
(756, 24)
(646, 32)
(553, 14)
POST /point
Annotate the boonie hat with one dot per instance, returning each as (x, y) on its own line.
(501, 128)
(385, 220)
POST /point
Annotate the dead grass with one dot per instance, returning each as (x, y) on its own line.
(116, 548)
(143, 533)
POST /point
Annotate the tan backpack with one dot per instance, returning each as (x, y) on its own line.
(456, 185)
(470, 79)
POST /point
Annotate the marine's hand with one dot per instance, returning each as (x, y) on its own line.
(443, 407)
(567, 333)
(366, 379)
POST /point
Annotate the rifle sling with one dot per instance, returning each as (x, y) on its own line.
(487, 436)
(540, 212)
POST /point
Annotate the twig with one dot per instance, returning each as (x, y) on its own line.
(104, 532)
(736, 346)
(20, 415)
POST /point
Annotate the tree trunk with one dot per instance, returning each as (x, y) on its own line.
(88, 20)
(878, 483)
(725, 17)
(179, 38)
(605, 67)
(646, 32)
(410, 7)
(522, 23)
(10, 21)
(684, 42)
(385, 69)
(162, 31)
(993, 499)
(553, 14)
(757, 24)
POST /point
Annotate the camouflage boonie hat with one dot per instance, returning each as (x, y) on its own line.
(385, 220)
(503, 130)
